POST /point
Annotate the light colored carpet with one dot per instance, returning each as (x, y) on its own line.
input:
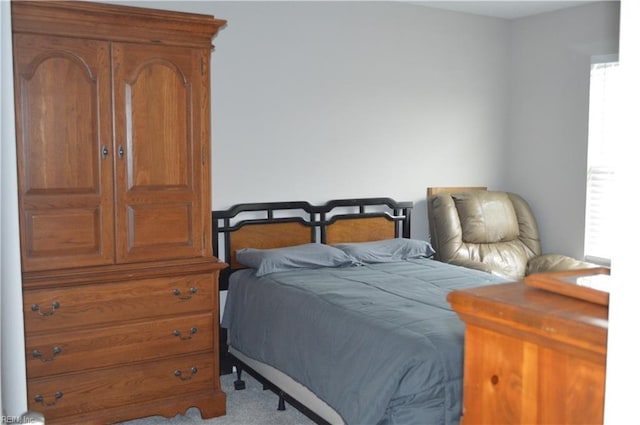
(251, 406)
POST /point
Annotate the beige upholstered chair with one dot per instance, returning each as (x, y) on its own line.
(491, 231)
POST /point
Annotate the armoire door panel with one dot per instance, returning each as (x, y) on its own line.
(65, 180)
(174, 220)
(158, 102)
(60, 232)
(158, 132)
(50, 109)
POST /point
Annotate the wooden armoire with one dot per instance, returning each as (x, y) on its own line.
(120, 285)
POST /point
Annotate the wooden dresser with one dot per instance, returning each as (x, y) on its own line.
(531, 356)
(120, 285)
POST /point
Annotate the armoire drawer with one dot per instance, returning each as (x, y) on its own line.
(93, 391)
(95, 304)
(62, 352)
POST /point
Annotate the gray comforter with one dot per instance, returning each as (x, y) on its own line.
(378, 343)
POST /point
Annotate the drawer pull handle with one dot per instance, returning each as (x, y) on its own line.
(495, 380)
(178, 293)
(192, 331)
(40, 399)
(38, 355)
(54, 306)
(178, 373)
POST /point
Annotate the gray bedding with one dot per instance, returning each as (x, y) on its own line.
(379, 343)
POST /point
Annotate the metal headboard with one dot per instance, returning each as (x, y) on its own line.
(317, 218)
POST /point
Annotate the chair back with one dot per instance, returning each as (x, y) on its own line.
(495, 228)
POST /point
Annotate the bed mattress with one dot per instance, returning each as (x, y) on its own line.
(378, 343)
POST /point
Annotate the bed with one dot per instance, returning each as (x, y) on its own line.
(338, 310)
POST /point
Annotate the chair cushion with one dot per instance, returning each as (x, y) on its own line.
(486, 217)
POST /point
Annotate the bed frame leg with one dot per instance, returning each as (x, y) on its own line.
(281, 405)
(239, 384)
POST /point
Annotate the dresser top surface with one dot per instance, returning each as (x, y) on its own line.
(533, 301)
(534, 313)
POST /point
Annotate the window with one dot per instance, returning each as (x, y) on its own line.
(600, 168)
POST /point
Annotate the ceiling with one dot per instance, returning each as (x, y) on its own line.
(503, 9)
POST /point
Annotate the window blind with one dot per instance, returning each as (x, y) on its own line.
(601, 171)
(599, 230)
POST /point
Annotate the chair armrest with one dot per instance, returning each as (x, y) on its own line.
(556, 263)
(484, 267)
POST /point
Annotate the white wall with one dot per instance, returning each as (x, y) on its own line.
(321, 100)
(548, 115)
(12, 363)
(327, 100)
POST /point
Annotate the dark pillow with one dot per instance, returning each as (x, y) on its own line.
(311, 255)
(387, 250)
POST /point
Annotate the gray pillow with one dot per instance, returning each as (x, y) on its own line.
(311, 255)
(387, 250)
